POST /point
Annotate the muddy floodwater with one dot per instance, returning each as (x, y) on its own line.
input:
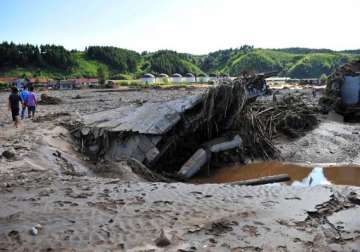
(300, 175)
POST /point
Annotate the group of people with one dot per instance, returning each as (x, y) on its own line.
(27, 99)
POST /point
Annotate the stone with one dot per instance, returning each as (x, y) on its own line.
(34, 231)
(9, 153)
(38, 226)
(162, 241)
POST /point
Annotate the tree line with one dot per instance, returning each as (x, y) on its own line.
(118, 59)
(170, 62)
(24, 55)
(117, 62)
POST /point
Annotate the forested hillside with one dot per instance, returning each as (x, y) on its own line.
(292, 62)
(169, 62)
(56, 62)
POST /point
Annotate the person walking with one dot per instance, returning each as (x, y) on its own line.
(14, 106)
(24, 95)
(31, 102)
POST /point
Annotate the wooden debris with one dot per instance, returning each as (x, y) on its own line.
(263, 180)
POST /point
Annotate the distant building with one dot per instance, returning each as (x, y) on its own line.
(53, 84)
(86, 82)
(73, 83)
(189, 78)
(39, 82)
(202, 78)
(6, 82)
(148, 78)
(176, 78)
(67, 84)
(164, 78)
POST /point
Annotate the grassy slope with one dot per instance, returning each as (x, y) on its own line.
(83, 68)
(180, 59)
(298, 65)
(289, 64)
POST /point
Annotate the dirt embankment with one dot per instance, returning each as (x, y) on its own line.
(53, 199)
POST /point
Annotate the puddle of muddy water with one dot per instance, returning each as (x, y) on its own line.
(300, 175)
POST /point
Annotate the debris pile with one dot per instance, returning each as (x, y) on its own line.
(50, 116)
(290, 117)
(49, 100)
(343, 91)
(180, 136)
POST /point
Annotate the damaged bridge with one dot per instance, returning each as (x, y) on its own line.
(176, 136)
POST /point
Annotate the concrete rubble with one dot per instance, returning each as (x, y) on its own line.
(180, 136)
(152, 131)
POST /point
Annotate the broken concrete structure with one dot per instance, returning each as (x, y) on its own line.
(163, 135)
(203, 155)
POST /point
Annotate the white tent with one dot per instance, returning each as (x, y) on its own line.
(148, 78)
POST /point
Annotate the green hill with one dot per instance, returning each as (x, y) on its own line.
(296, 63)
(169, 62)
(52, 61)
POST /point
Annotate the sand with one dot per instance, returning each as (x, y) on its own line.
(75, 205)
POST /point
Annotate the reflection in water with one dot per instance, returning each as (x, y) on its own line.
(300, 175)
(316, 177)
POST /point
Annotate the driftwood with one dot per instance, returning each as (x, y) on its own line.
(290, 116)
(263, 180)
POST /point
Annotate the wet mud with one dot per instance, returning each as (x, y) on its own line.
(52, 198)
(338, 175)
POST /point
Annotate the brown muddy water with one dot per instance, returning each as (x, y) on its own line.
(300, 175)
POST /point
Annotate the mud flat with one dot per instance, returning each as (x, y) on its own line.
(54, 199)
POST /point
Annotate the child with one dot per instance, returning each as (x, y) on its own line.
(14, 101)
(24, 94)
(31, 102)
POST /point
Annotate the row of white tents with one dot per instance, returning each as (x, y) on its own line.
(177, 78)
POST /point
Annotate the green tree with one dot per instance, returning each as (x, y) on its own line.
(102, 74)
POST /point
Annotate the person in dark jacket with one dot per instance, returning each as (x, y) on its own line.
(14, 105)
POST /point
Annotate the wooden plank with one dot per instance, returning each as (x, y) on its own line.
(263, 180)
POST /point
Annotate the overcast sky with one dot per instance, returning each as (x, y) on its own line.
(194, 26)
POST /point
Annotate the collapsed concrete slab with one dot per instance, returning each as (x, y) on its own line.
(163, 135)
